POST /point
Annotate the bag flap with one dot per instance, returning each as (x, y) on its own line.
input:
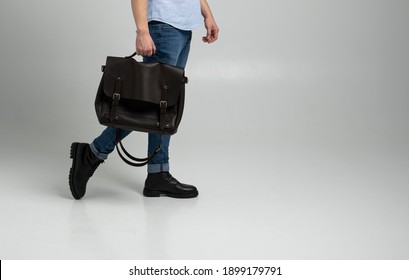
(143, 81)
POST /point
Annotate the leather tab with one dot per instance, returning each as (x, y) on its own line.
(163, 105)
(116, 96)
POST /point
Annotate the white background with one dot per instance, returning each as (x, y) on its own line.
(295, 133)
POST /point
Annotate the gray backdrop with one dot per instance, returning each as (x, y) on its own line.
(304, 153)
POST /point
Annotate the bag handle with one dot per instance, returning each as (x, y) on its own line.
(132, 55)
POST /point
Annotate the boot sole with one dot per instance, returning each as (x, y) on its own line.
(149, 193)
(73, 153)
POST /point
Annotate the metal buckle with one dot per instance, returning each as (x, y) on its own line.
(116, 96)
(163, 104)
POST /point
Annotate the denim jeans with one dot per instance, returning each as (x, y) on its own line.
(172, 47)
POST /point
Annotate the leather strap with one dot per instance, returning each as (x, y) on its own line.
(116, 96)
(139, 162)
(133, 161)
(163, 105)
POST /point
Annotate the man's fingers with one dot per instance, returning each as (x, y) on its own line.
(145, 45)
(146, 51)
(211, 36)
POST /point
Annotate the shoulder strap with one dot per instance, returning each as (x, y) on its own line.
(133, 161)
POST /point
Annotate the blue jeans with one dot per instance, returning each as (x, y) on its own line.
(172, 47)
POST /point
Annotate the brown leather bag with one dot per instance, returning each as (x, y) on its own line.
(140, 96)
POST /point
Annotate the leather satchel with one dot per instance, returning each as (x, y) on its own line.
(140, 96)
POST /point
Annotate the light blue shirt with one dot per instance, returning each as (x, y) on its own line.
(182, 14)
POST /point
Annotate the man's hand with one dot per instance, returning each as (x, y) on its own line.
(212, 30)
(144, 44)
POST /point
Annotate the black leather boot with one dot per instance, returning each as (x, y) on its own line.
(84, 164)
(163, 183)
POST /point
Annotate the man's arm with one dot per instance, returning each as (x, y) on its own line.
(210, 23)
(144, 43)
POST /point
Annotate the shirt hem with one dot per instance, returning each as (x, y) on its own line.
(180, 27)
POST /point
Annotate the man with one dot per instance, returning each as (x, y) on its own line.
(164, 31)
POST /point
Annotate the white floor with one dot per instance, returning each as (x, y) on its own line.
(299, 197)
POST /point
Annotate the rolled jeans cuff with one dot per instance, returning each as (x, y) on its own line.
(97, 153)
(158, 167)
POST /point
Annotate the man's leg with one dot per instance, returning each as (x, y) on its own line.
(86, 158)
(172, 47)
(104, 144)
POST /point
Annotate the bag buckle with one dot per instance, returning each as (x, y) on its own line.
(116, 96)
(163, 104)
